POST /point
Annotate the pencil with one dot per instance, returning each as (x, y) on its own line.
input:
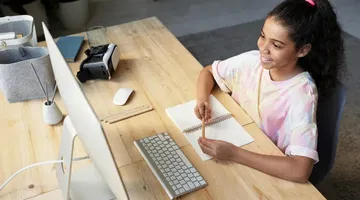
(203, 128)
(37, 77)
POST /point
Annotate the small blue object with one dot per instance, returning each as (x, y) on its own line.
(69, 46)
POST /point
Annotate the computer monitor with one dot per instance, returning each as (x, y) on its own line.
(82, 121)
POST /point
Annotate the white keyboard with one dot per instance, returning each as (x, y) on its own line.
(169, 164)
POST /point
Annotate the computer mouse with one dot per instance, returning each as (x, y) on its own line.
(122, 95)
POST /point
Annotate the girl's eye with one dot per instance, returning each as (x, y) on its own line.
(276, 46)
(262, 36)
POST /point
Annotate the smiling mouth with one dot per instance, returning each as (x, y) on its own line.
(266, 60)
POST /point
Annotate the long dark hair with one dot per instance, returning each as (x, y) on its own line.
(316, 25)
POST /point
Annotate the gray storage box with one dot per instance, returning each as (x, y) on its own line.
(17, 79)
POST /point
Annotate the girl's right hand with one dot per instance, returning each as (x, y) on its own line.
(203, 109)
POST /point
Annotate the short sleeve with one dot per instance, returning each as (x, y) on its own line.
(226, 72)
(303, 140)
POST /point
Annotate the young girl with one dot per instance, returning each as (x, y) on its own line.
(300, 56)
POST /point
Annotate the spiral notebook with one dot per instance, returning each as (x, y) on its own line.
(222, 125)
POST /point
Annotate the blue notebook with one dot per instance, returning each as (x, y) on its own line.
(69, 46)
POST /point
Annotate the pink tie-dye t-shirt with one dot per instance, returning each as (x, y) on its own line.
(287, 109)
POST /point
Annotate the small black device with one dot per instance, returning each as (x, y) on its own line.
(101, 63)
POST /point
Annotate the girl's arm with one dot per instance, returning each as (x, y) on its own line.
(205, 84)
(293, 168)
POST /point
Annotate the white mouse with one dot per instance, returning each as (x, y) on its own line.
(122, 95)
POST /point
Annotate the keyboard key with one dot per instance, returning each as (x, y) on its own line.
(186, 187)
(161, 137)
(187, 171)
(191, 185)
(177, 191)
(182, 182)
(174, 187)
(193, 179)
(186, 179)
(197, 184)
(171, 183)
(193, 170)
(179, 186)
(196, 174)
(199, 178)
(146, 140)
(202, 182)
(182, 190)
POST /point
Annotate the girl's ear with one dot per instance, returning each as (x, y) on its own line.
(304, 50)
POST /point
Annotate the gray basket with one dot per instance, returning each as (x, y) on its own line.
(18, 81)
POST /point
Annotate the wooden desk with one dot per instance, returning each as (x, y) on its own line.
(162, 73)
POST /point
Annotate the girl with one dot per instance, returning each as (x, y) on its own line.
(300, 56)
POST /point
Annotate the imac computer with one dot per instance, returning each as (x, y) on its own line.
(101, 179)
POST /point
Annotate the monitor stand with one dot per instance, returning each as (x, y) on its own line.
(83, 184)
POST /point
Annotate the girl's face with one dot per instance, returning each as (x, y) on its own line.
(277, 50)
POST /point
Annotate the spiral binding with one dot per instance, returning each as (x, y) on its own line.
(211, 122)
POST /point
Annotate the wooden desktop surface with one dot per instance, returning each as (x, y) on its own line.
(163, 74)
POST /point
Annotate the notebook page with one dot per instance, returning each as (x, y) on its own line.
(184, 117)
(229, 130)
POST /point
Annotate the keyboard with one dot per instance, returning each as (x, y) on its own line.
(170, 165)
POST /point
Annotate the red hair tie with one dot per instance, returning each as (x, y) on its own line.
(311, 2)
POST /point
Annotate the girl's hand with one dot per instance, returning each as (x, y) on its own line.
(203, 110)
(218, 149)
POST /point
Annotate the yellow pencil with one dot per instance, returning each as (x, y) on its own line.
(203, 128)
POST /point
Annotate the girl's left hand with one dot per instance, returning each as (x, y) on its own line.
(218, 149)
